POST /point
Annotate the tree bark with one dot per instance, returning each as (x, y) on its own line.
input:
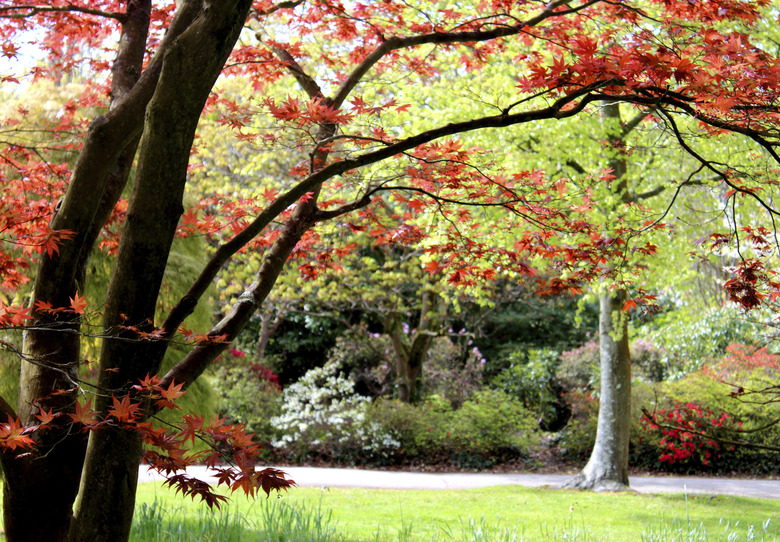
(190, 67)
(410, 357)
(607, 468)
(48, 479)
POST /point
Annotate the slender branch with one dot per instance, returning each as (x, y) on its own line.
(30, 10)
(187, 303)
(307, 82)
(438, 38)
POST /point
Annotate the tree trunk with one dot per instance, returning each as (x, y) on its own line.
(607, 469)
(270, 321)
(410, 357)
(48, 478)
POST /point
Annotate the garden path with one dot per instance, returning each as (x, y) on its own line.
(376, 479)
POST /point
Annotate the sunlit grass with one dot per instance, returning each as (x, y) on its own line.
(489, 514)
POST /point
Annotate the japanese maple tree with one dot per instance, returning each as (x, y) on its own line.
(152, 70)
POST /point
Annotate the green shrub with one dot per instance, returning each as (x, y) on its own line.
(248, 398)
(447, 374)
(532, 379)
(486, 429)
(575, 441)
(579, 368)
(691, 340)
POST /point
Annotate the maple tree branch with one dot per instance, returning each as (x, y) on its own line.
(7, 409)
(322, 216)
(281, 5)
(30, 10)
(224, 252)
(396, 42)
(307, 82)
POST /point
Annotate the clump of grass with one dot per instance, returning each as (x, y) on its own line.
(679, 531)
(481, 530)
(277, 522)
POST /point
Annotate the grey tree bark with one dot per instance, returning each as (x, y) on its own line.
(607, 468)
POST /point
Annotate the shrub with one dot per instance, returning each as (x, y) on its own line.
(648, 360)
(486, 429)
(448, 374)
(366, 358)
(575, 441)
(532, 379)
(703, 402)
(690, 341)
(579, 368)
(323, 416)
(249, 395)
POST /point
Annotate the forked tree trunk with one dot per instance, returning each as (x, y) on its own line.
(409, 357)
(607, 469)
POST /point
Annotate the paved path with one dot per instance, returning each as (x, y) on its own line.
(320, 477)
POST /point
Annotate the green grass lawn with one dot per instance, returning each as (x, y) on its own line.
(490, 514)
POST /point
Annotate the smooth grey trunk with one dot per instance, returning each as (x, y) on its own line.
(607, 468)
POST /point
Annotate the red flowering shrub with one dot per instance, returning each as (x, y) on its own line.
(689, 433)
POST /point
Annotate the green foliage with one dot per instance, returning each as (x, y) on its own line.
(532, 379)
(247, 398)
(489, 427)
(531, 322)
(579, 368)
(575, 441)
(690, 340)
(301, 343)
(366, 358)
(448, 375)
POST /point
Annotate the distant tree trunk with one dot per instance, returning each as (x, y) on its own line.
(607, 469)
(409, 357)
(269, 323)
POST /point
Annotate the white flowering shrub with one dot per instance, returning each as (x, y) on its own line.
(322, 415)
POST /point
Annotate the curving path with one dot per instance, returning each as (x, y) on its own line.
(375, 479)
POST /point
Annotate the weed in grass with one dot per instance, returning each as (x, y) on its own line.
(405, 531)
(570, 532)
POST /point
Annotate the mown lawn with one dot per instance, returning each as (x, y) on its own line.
(498, 513)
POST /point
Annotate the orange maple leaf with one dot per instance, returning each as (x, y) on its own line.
(78, 303)
(84, 414)
(124, 410)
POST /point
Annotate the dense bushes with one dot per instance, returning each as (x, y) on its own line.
(343, 411)
(323, 418)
